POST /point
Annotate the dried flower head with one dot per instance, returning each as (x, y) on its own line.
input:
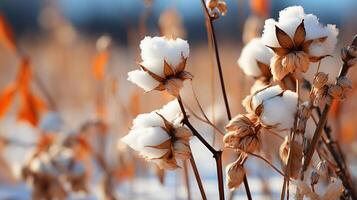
(163, 65)
(296, 157)
(274, 107)
(243, 133)
(216, 8)
(235, 173)
(297, 39)
(159, 137)
(255, 59)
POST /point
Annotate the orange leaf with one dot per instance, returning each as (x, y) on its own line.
(24, 74)
(83, 148)
(99, 63)
(335, 109)
(6, 97)
(31, 108)
(260, 7)
(6, 35)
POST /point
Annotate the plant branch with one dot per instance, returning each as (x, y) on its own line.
(198, 178)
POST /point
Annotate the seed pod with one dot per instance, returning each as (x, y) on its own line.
(222, 7)
(296, 157)
(211, 4)
(182, 150)
(320, 80)
(336, 92)
(235, 174)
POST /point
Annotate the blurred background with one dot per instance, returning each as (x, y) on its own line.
(63, 84)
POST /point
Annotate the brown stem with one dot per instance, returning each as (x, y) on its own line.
(198, 178)
(187, 181)
(216, 154)
(321, 124)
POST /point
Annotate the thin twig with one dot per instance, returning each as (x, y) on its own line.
(268, 162)
(198, 178)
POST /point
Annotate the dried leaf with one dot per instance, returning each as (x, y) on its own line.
(6, 35)
(168, 71)
(164, 145)
(181, 66)
(31, 108)
(283, 38)
(6, 98)
(168, 126)
(99, 62)
(300, 33)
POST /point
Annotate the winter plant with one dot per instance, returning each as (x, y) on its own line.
(280, 104)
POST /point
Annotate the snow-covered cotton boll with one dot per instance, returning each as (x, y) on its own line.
(275, 107)
(297, 39)
(158, 136)
(255, 59)
(163, 64)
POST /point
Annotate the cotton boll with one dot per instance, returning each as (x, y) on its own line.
(172, 112)
(141, 139)
(154, 50)
(254, 51)
(142, 79)
(290, 18)
(279, 112)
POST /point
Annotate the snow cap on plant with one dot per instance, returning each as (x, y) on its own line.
(255, 59)
(274, 107)
(159, 137)
(163, 65)
(297, 39)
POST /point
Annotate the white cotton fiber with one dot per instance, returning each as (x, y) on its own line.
(252, 52)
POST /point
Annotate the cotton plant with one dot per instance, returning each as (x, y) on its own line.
(285, 51)
(162, 66)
